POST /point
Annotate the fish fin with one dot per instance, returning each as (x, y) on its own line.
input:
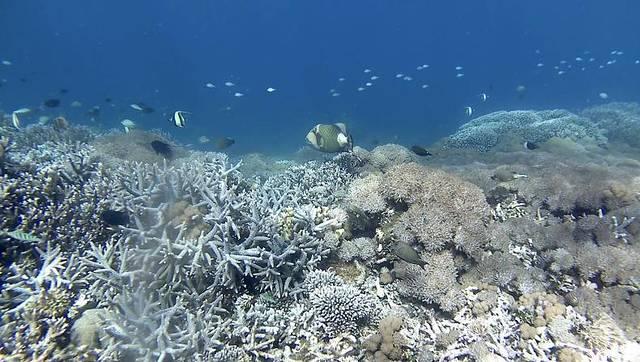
(342, 126)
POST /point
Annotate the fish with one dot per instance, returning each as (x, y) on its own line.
(114, 217)
(407, 78)
(459, 75)
(238, 94)
(368, 84)
(367, 70)
(162, 148)
(336, 94)
(15, 120)
(540, 65)
(420, 151)
(399, 75)
(21, 235)
(6, 62)
(330, 138)
(210, 85)
(142, 107)
(22, 110)
(229, 84)
(60, 123)
(468, 111)
(43, 120)
(224, 142)
(94, 111)
(425, 86)
(271, 90)
(528, 145)
(360, 89)
(405, 252)
(203, 139)
(374, 77)
(483, 97)
(459, 67)
(52, 103)
(603, 95)
(178, 119)
(521, 90)
(128, 125)
(341, 79)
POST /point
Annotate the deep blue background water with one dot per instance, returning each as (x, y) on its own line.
(163, 52)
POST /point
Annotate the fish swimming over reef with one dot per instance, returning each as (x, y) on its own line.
(20, 235)
(224, 142)
(128, 125)
(178, 118)
(330, 138)
(115, 217)
(528, 145)
(420, 151)
(405, 252)
(52, 102)
(162, 148)
(142, 107)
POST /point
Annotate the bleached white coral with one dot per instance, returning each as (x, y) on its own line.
(364, 193)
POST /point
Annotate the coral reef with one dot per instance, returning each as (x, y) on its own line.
(492, 256)
(485, 132)
(620, 120)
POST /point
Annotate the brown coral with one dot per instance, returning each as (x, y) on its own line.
(386, 345)
(442, 208)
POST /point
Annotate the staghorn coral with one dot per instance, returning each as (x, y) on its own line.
(55, 195)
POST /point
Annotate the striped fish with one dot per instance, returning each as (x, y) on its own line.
(15, 120)
(22, 236)
(179, 119)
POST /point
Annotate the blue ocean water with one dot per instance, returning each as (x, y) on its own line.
(163, 53)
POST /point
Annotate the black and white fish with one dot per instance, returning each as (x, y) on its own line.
(115, 217)
(330, 138)
(178, 119)
(528, 145)
(468, 111)
(420, 151)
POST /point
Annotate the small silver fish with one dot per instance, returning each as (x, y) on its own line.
(468, 111)
(136, 106)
